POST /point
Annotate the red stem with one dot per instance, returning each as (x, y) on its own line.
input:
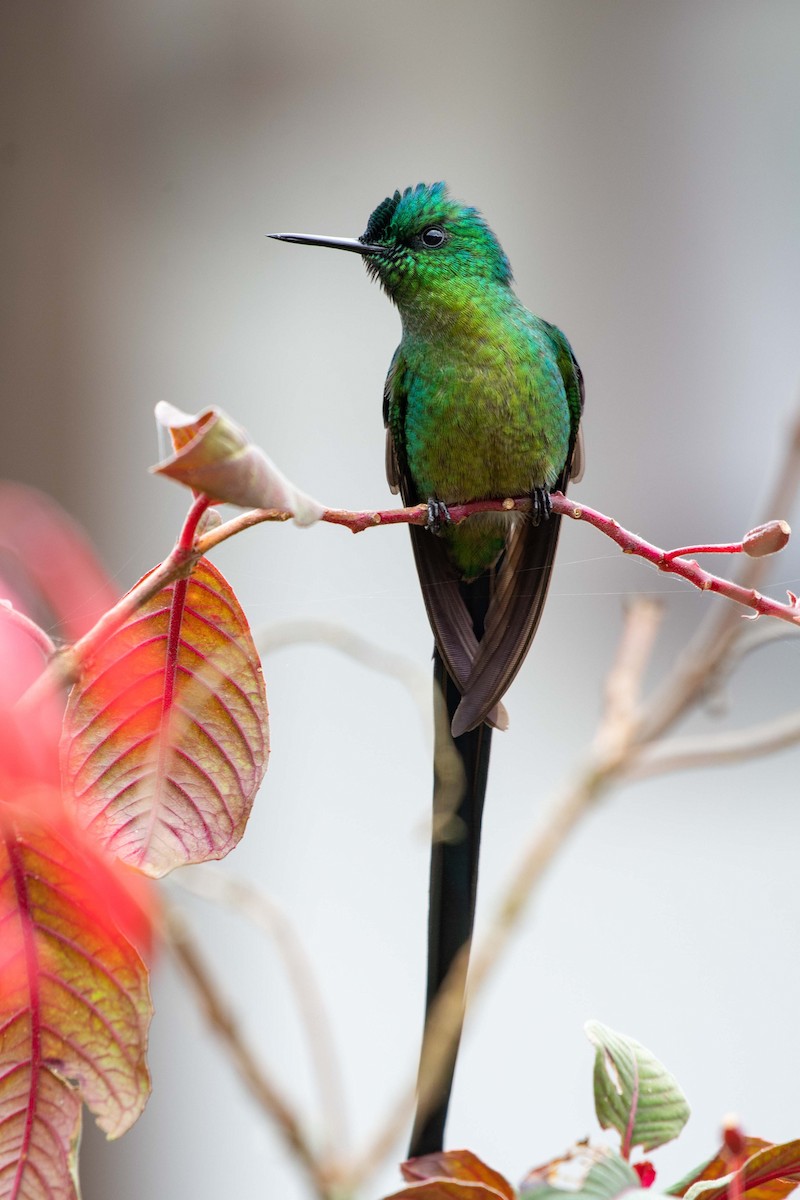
(185, 542)
(626, 1144)
(719, 548)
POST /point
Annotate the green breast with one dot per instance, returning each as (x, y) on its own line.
(484, 415)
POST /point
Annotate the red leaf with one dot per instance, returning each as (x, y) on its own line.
(165, 735)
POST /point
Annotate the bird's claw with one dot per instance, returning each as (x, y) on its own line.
(438, 515)
(541, 507)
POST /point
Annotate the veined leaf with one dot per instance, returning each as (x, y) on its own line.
(165, 735)
(633, 1092)
(74, 1008)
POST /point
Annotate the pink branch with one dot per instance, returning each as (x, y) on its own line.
(765, 539)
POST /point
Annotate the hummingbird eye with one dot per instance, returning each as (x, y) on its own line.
(433, 237)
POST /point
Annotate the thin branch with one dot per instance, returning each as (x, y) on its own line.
(717, 750)
(623, 686)
(246, 900)
(218, 1015)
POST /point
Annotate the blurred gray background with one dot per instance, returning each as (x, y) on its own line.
(639, 162)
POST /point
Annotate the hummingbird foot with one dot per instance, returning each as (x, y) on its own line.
(541, 507)
(438, 515)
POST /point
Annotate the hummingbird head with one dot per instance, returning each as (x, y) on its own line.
(420, 243)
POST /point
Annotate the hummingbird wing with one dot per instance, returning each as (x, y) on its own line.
(520, 583)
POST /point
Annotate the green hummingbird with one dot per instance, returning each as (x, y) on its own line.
(483, 400)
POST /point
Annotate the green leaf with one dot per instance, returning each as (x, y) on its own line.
(633, 1092)
(586, 1173)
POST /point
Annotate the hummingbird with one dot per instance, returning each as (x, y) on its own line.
(483, 400)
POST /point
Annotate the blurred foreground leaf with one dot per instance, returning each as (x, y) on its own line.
(74, 1006)
(47, 563)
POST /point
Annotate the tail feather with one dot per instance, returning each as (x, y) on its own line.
(454, 863)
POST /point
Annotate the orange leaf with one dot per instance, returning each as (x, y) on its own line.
(165, 735)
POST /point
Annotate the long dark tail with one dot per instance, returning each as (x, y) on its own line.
(455, 852)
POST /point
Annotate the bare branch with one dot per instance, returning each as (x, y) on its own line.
(624, 682)
(717, 750)
(249, 902)
(258, 1083)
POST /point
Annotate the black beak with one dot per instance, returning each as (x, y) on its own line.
(335, 243)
